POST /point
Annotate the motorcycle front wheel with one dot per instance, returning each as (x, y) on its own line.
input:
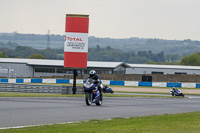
(88, 98)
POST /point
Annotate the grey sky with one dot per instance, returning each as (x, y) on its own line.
(165, 19)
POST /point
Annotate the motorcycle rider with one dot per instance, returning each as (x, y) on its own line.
(96, 78)
(176, 90)
(107, 89)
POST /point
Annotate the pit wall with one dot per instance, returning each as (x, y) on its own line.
(105, 82)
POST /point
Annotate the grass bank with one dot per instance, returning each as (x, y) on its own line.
(152, 87)
(154, 92)
(173, 123)
(116, 86)
(10, 94)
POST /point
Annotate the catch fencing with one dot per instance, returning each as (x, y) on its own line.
(29, 88)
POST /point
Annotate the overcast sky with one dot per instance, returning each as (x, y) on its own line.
(164, 19)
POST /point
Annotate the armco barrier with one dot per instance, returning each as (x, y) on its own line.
(105, 82)
(49, 81)
(62, 81)
(145, 84)
(78, 81)
(4, 80)
(27, 80)
(36, 80)
(11, 80)
(19, 80)
(173, 84)
(117, 82)
(188, 85)
(28, 88)
(131, 83)
(159, 84)
(197, 85)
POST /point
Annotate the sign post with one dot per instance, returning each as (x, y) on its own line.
(76, 43)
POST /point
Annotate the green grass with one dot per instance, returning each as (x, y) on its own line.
(115, 86)
(152, 96)
(173, 123)
(151, 87)
(153, 92)
(10, 94)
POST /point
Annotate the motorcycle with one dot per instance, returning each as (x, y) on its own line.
(92, 94)
(107, 90)
(177, 93)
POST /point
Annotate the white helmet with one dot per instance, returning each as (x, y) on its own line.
(92, 73)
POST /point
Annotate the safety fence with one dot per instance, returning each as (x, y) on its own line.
(29, 88)
(105, 82)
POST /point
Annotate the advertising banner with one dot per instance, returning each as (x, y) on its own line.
(76, 41)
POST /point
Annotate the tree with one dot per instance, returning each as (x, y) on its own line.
(191, 60)
(98, 48)
(49, 53)
(36, 56)
(3, 54)
(24, 51)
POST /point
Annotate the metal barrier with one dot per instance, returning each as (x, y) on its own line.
(30, 88)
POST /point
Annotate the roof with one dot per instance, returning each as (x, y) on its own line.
(48, 62)
(94, 64)
(163, 66)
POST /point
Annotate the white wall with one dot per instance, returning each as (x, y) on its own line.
(166, 71)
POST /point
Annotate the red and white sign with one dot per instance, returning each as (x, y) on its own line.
(76, 41)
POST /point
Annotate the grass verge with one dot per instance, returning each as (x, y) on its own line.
(117, 86)
(153, 92)
(10, 94)
(173, 123)
(152, 87)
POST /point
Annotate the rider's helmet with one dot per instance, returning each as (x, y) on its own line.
(174, 88)
(106, 86)
(92, 73)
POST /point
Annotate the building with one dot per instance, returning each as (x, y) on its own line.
(162, 69)
(14, 67)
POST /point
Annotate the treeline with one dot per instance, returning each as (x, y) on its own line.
(8, 44)
(25, 52)
(111, 54)
(179, 47)
(191, 60)
(94, 54)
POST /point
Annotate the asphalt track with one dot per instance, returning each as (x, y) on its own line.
(16, 112)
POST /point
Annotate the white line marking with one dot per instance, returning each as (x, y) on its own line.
(35, 125)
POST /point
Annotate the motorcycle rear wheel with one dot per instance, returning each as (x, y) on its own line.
(88, 98)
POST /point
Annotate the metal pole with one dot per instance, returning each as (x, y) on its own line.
(74, 82)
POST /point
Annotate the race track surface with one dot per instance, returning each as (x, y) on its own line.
(35, 111)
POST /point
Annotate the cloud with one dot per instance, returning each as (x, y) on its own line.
(168, 19)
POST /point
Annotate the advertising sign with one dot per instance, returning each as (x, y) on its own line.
(76, 41)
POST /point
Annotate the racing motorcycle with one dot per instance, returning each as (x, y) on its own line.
(107, 89)
(92, 94)
(177, 93)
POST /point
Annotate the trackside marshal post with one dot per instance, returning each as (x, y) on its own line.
(76, 43)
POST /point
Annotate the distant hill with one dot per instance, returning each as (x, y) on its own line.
(180, 47)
